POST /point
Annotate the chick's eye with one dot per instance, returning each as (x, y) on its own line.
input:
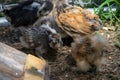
(78, 53)
(93, 28)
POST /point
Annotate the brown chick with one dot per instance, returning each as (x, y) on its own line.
(75, 21)
(71, 21)
(87, 52)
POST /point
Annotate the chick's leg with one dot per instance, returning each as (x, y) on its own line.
(40, 51)
(83, 65)
(98, 63)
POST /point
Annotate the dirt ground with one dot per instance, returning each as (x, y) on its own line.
(59, 68)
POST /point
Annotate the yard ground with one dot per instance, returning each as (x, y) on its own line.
(59, 69)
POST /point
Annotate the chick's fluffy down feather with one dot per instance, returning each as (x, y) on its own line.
(87, 51)
(38, 38)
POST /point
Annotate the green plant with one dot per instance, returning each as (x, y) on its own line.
(1, 14)
(110, 15)
(117, 44)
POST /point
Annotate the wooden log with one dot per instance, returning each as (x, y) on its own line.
(4, 76)
(16, 65)
(35, 69)
(11, 60)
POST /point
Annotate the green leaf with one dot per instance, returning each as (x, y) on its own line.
(117, 44)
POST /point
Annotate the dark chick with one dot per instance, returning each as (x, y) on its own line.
(43, 41)
(27, 12)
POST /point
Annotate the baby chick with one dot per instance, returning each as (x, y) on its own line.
(87, 52)
(76, 21)
(41, 39)
(27, 12)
